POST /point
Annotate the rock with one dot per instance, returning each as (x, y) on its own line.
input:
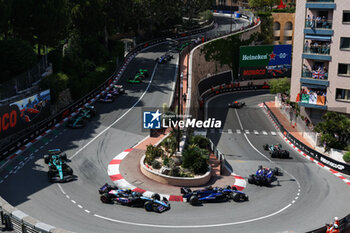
(165, 170)
(177, 160)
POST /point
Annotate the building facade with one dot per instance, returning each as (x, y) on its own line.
(321, 57)
(283, 24)
(232, 3)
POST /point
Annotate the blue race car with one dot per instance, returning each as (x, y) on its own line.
(211, 194)
(264, 176)
(112, 194)
(106, 98)
(59, 171)
(117, 90)
(165, 58)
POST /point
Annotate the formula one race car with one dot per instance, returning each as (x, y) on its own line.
(264, 176)
(111, 194)
(80, 119)
(236, 104)
(143, 73)
(211, 194)
(135, 79)
(106, 98)
(59, 171)
(117, 90)
(165, 58)
(276, 151)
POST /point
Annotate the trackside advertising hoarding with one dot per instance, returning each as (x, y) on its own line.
(267, 61)
(26, 112)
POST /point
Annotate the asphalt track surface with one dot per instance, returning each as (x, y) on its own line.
(322, 195)
(75, 206)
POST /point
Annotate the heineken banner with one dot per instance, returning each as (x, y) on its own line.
(268, 61)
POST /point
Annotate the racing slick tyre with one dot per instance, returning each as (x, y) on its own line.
(268, 182)
(234, 188)
(46, 159)
(236, 197)
(148, 206)
(266, 146)
(155, 196)
(63, 156)
(194, 200)
(69, 171)
(251, 180)
(105, 198)
(274, 154)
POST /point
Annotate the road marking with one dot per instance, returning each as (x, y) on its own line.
(87, 211)
(229, 131)
(80, 206)
(256, 132)
(264, 132)
(238, 131)
(62, 190)
(73, 201)
(273, 133)
(122, 116)
(247, 131)
(194, 226)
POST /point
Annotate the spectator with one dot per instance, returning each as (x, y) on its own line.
(306, 47)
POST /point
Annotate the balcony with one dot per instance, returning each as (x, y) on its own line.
(317, 52)
(320, 4)
(322, 27)
(316, 78)
(312, 98)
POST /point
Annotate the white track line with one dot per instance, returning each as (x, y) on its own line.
(108, 127)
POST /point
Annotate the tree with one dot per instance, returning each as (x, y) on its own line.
(261, 4)
(5, 19)
(41, 22)
(280, 85)
(266, 34)
(335, 130)
(226, 51)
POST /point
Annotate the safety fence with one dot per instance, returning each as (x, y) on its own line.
(334, 164)
(23, 83)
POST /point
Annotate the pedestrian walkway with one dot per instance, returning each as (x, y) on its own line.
(286, 124)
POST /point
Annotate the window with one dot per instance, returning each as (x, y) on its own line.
(276, 38)
(346, 16)
(345, 43)
(344, 69)
(342, 94)
(276, 26)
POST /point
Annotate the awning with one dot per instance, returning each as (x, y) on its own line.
(314, 86)
(321, 38)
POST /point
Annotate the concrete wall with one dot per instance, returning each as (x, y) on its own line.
(201, 68)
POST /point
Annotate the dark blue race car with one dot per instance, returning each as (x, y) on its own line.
(112, 194)
(264, 176)
(106, 98)
(211, 194)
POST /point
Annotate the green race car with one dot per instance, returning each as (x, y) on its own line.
(135, 79)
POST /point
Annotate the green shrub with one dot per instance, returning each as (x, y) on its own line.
(55, 56)
(156, 164)
(196, 159)
(175, 171)
(152, 152)
(56, 83)
(202, 142)
(166, 161)
(16, 57)
(346, 157)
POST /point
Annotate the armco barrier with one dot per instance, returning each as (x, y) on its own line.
(334, 164)
(40, 128)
